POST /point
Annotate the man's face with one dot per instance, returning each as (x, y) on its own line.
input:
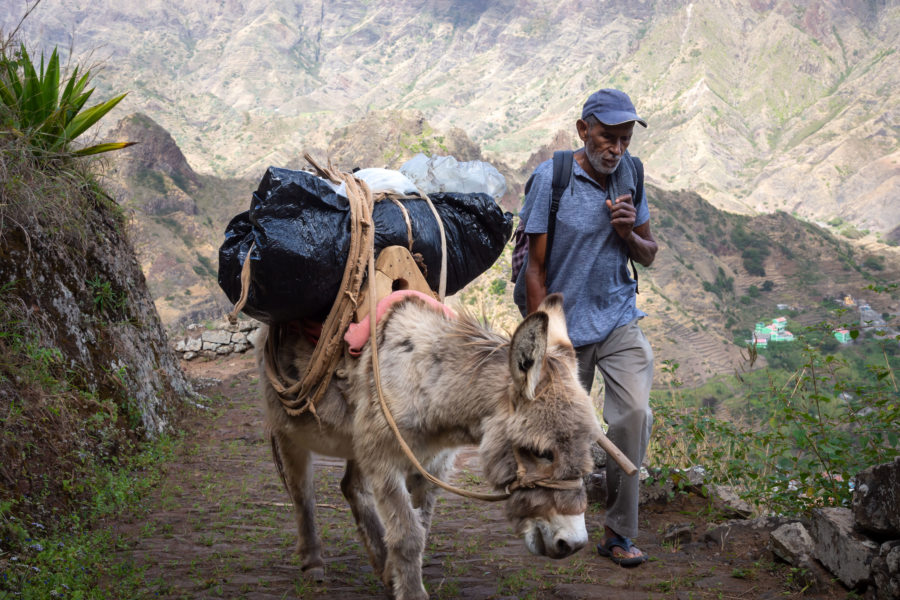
(604, 145)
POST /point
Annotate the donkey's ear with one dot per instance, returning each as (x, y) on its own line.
(527, 349)
(557, 333)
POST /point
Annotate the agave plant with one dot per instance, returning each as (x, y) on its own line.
(48, 118)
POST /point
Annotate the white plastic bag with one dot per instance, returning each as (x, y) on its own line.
(446, 174)
(387, 181)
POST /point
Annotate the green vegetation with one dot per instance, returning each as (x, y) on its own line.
(69, 438)
(754, 249)
(722, 287)
(71, 559)
(797, 432)
(47, 117)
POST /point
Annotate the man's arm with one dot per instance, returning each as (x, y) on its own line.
(641, 245)
(535, 271)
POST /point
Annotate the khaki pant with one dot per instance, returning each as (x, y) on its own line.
(625, 360)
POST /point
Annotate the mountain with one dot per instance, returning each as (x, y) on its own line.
(716, 275)
(759, 105)
(177, 219)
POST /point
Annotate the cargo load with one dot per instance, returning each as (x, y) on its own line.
(299, 228)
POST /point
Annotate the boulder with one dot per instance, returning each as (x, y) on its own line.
(840, 548)
(876, 500)
(791, 543)
(886, 571)
(733, 505)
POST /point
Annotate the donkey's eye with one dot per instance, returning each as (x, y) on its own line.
(546, 455)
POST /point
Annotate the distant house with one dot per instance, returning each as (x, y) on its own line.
(842, 335)
(776, 331)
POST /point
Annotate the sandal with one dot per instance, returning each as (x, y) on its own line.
(625, 544)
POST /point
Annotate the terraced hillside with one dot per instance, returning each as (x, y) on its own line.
(718, 273)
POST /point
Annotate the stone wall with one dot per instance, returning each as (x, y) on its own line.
(220, 339)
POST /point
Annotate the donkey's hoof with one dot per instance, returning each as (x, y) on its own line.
(314, 573)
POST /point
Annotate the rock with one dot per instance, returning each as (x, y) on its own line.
(791, 543)
(655, 490)
(239, 348)
(180, 346)
(255, 337)
(719, 534)
(599, 456)
(210, 347)
(224, 349)
(189, 355)
(876, 500)
(193, 345)
(595, 486)
(678, 533)
(733, 504)
(239, 338)
(886, 571)
(843, 551)
(216, 337)
(812, 575)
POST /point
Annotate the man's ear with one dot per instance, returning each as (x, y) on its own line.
(582, 127)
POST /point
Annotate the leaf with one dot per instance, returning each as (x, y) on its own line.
(50, 86)
(854, 333)
(83, 120)
(108, 147)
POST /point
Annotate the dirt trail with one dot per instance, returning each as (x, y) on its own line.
(220, 526)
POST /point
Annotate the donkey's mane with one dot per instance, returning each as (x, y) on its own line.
(488, 346)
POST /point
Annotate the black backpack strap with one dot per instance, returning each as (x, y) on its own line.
(562, 174)
(638, 196)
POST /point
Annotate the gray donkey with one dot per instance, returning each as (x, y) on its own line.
(449, 383)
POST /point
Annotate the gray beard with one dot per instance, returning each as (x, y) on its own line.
(596, 161)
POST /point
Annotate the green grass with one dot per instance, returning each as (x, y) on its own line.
(71, 558)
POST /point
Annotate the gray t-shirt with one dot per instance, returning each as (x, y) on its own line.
(589, 261)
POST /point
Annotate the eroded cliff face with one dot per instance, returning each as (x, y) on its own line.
(86, 293)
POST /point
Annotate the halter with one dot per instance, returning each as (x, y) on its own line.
(540, 480)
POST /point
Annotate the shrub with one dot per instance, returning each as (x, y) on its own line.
(47, 114)
(801, 439)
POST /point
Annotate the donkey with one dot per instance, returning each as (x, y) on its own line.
(448, 383)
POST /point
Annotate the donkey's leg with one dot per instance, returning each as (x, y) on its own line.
(368, 523)
(404, 537)
(294, 464)
(423, 493)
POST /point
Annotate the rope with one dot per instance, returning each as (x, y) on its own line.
(376, 375)
(245, 286)
(442, 286)
(301, 396)
(405, 213)
(305, 393)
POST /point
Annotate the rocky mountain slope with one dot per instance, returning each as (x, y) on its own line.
(85, 366)
(758, 105)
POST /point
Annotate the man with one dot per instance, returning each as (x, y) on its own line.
(599, 227)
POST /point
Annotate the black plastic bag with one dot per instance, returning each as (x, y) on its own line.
(301, 227)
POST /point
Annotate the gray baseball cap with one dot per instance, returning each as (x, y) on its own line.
(611, 107)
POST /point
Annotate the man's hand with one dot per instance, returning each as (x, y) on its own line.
(622, 215)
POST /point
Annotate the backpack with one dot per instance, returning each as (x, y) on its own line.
(562, 174)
